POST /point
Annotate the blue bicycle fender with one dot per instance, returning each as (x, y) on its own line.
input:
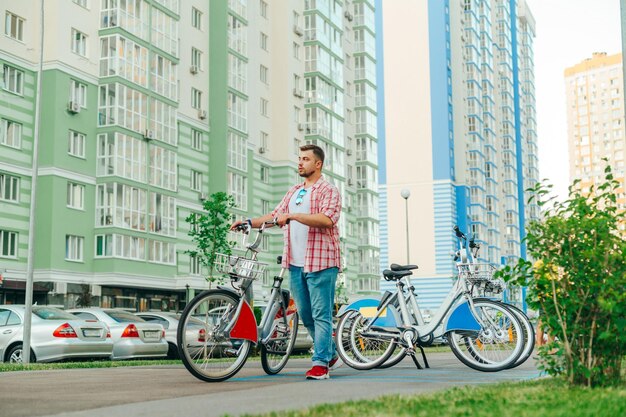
(368, 308)
(461, 319)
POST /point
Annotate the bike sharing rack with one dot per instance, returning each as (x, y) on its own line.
(460, 319)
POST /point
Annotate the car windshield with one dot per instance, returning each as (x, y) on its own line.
(50, 313)
(124, 317)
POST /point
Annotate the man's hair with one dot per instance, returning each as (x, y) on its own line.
(317, 151)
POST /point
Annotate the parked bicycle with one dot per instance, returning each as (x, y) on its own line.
(218, 327)
(484, 334)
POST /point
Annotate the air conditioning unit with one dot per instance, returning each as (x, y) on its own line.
(297, 30)
(300, 126)
(348, 152)
(262, 149)
(193, 69)
(202, 114)
(348, 16)
(73, 107)
(298, 93)
(149, 134)
(350, 182)
(204, 196)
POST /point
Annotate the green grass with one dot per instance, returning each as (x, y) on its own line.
(545, 397)
(10, 367)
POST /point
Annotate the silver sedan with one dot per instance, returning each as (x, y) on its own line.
(132, 336)
(55, 335)
(169, 321)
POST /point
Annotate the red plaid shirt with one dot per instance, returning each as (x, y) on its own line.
(322, 249)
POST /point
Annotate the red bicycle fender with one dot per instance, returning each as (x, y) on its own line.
(245, 328)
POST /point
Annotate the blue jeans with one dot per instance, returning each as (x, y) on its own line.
(314, 293)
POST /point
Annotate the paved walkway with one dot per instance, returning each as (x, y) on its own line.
(157, 391)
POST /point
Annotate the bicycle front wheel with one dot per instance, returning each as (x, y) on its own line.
(206, 349)
(357, 348)
(275, 352)
(497, 345)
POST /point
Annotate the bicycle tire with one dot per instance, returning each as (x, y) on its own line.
(276, 351)
(356, 350)
(206, 352)
(494, 348)
(529, 336)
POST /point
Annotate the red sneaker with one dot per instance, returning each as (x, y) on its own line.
(334, 364)
(317, 372)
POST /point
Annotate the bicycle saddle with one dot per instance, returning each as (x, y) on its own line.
(396, 267)
(395, 275)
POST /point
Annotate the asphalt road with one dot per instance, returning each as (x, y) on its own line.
(155, 391)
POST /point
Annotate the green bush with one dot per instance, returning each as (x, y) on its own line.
(578, 281)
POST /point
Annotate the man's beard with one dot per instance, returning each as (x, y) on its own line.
(305, 174)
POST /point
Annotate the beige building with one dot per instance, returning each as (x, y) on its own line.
(595, 119)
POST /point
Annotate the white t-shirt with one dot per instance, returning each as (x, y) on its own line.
(298, 232)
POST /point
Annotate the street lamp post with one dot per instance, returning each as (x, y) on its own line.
(405, 193)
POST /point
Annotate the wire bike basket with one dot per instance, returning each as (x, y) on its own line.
(481, 275)
(238, 267)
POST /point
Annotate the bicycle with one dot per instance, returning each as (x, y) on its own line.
(218, 327)
(484, 334)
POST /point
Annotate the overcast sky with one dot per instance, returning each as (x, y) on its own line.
(568, 31)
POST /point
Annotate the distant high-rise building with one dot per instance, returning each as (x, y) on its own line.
(148, 107)
(460, 132)
(594, 90)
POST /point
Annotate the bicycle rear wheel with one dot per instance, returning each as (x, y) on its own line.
(207, 351)
(497, 345)
(358, 349)
(275, 352)
(529, 336)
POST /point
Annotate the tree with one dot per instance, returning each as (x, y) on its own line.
(84, 297)
(209, 232)
(578, 282)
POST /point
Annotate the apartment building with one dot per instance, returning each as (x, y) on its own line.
(460, 132)
(595, 120)
(148, 107)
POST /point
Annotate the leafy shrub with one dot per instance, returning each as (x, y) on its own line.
(578, 282)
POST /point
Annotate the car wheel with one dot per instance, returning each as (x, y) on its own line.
(15, 355)
(172, 351)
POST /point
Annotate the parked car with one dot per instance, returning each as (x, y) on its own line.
(55, 335)
(169, 321)
(133, 337)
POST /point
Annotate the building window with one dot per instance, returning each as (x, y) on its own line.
(76, 144)
(14, 26)
(74, 248)
(162, 252)
(265, 206)
(196, 180)
(162, 214)
(196, 98)
(196, 18)
(9, 188)
(104, 246)
(237, 187)
(196, 59)
(79, 42)
(163, 171)
(265, 141)
(237, 152)
(296, 146)
(264, 41)
(196, 140)
(13, 79)
(8, 244)
(75, 195)
(264, 107)
(264, 74)
(82, 3)
(263, 7)
(78, 93)
(10, 134)
(195, 267)
(121, 205)
(265, 174)
(296, 50)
